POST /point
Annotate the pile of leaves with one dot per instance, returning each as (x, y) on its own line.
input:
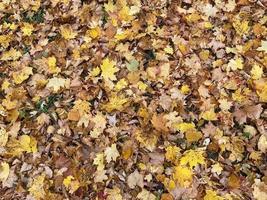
(133, 99)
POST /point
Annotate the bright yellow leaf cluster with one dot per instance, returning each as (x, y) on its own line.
(12, 54)
(109, 69)
(209, 115)
(4, 171)
(27, 29)
(192, 158)
(67, 32)
(71, 184)
(116, 102)
(172, 153)
(22, 75)
(37, 187)
(212, 195)
(183, 175)
(25, 143)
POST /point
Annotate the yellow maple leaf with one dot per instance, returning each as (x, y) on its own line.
(141, 85)
(99, 161)
(209, 115)
(127, 149)
(52, 65)
(224, 104)
(121, 84)
(256, 72)
(109, 7)
(95, 71)
(100, 176)
(208, 25)
(94, 32)
(261, 89)
(121, 34)
(193, 135)
(146, 195)
(37, 187)
(111, 153)
(263, 46)
(239, 95)
(82, 106)
(5, 40)
(12, 54)
(204, 55)
(125, 14)
(169, 184)
(255, 155)
(194, 17)
(67, 181)
(22, 75)
(168, 49)
(235, 64)
(56, 83)
(25, 143)
(5, 85)
(71, 184)
(108, 69)
(192, 158)
(114, 194)
(4, 171)
(3, 137)
(241, 27)
(217, 168)
(212, 195)
(183, 175)
(67, 32)
(9, 104)
(27, 29)
(185, 89)
(79, 111)
(28, 144)
(172, 153)
(149, 142)
(100, 124)
(184, 126)
(116, 102)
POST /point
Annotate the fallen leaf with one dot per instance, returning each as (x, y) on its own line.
(37, 187)
(146, 195)
(135, 179)
(4, 171)
(192, 158)
(111, 153)
(108, 69)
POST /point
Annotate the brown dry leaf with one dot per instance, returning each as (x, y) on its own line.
(159, 123)
(234, 181)
(133, 99)
(193, 135)
(252, 112)
(135, 179)
(127, 149)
